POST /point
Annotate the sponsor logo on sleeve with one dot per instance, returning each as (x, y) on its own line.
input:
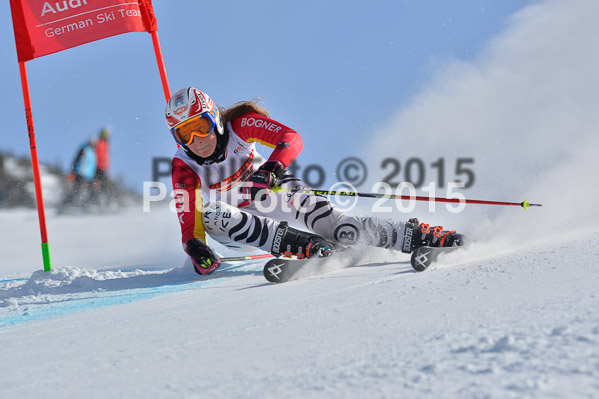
(259, 123)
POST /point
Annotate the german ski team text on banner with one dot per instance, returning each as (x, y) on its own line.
(46, 27)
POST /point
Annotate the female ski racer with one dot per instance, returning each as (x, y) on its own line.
(221, 188)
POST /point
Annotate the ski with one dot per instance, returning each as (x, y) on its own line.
(281, 270)
(423, 257)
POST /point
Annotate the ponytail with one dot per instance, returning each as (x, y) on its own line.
(240, 108)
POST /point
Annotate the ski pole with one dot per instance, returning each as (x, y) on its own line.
(524, 204)
(248, 257)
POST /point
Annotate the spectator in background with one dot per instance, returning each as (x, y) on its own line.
(102, 182)
(103, 156)
(83, 172)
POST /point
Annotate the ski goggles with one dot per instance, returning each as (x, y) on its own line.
(200, 125)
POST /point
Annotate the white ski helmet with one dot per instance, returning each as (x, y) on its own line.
(188, 103)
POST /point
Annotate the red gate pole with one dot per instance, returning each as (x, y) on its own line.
(161, 67)
(36, 168)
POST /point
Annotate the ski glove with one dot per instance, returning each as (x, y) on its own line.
(203, 258)
(257, 184)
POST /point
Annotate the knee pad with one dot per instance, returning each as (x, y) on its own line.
(368, 231)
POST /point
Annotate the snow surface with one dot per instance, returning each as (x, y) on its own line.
(515, 315)
(513, 323)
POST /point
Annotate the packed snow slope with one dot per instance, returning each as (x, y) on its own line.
(488, 322)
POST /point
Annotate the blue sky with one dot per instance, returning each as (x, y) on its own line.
(334, 71)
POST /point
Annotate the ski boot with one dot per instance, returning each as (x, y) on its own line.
(292, 242)
(420, 234)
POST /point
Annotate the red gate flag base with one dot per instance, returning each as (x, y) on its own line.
(46, 27)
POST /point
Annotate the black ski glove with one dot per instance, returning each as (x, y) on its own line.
(203, 258)
(264, 178)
